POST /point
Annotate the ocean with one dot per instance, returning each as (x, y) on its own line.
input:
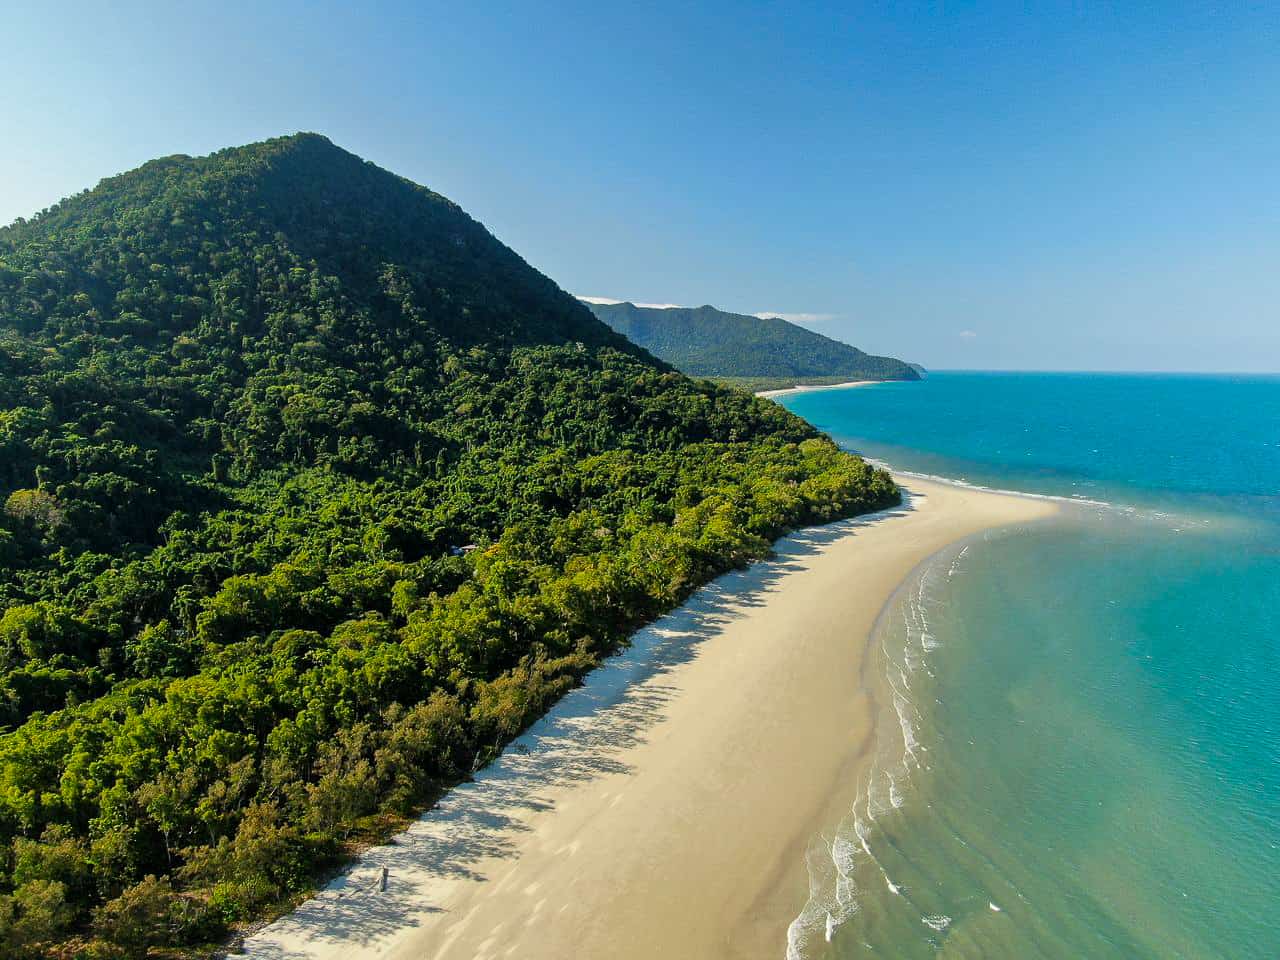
(1078, 750)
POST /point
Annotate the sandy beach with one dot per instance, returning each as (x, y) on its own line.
(662, 809)
(805, 388)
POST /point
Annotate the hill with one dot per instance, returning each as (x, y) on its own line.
(314, 495)
(706, 342)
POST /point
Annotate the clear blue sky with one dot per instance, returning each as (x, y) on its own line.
(964, 186)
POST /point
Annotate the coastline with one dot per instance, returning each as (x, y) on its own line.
(806, 387)
(663, 808)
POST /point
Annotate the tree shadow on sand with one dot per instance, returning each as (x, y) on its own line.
(582, 737)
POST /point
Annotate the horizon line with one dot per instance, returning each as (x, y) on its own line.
(1104, 372)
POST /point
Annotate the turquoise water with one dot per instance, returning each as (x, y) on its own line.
(1080, 741)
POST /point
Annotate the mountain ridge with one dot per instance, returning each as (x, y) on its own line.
(707, 342)
(290, 179)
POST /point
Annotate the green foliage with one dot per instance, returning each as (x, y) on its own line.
(34, 917)
(766, 352)
(149, 914)
(315, 496)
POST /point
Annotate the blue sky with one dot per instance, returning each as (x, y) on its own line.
(1084, 187)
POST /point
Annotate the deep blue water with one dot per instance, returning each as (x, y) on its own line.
(1094, 701)
(1095, 435)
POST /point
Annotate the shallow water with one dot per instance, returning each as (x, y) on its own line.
(1079, 748)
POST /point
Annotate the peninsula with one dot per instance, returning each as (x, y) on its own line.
(753, 353)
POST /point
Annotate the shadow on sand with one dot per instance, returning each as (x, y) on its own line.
(581, 738)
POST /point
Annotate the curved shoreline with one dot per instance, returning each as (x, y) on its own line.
(664, 807)
(810, 387)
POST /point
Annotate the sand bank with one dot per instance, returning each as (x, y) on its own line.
(662, 809)
(806, 387)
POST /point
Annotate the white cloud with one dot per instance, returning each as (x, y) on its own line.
(654, 306)
(801, 318)
(967, 335)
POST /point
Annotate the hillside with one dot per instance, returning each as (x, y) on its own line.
(314, 495)
(706, 342)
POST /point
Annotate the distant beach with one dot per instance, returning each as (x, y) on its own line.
(805, 387)
(663, 809)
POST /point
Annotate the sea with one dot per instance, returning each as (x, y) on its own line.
(1078, 748)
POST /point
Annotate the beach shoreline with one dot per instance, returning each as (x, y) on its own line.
(807, 387)
(664, 807)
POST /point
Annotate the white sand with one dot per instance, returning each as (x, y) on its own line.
(806, 387)
(662, 810)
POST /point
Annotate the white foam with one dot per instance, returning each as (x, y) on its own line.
(795, 938)
(846, 894)
(860, 829)
(842, 857)
(837, 866)
(895, 797)
(939, 922)
(833, 896)
(954, 482)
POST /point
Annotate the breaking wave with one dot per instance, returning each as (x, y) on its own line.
(841, 866)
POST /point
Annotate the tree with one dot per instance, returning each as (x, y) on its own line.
(37, 914)
(148, 914)
(35, 507)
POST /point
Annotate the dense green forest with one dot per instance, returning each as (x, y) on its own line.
(770, 352)
(315, 495)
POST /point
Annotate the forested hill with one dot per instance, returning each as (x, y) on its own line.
(313, 495)
(706, 342)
